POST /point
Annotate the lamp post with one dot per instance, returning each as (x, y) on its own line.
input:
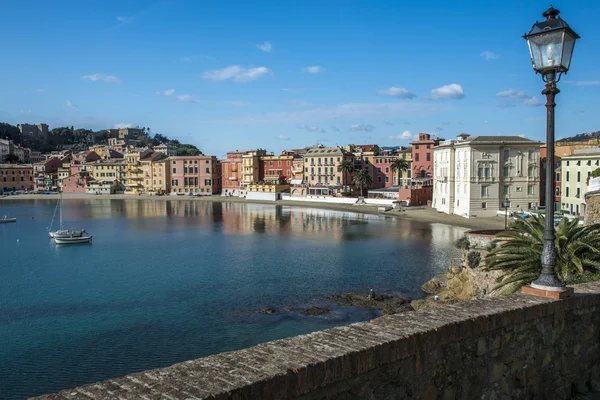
(505, 204)
(551, 44)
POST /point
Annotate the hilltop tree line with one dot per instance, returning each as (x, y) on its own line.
(80, 139)
(582, 137)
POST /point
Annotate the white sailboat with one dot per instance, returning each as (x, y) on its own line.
(62, 232)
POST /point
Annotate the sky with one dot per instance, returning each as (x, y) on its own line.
(236, 75)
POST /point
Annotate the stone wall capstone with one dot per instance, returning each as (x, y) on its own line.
(506, 347)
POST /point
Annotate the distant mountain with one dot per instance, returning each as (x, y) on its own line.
(582, 137)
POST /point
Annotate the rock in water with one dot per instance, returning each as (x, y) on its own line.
(266, 310)
(315, 311)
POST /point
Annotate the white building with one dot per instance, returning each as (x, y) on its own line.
(576, 171)
(166, 149)
(473, 175)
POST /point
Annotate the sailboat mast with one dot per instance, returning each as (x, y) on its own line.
(61, 203)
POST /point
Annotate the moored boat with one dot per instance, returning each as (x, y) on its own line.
(73, 240)
(7, 220)
(62, 232)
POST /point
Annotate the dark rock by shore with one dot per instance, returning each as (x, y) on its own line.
(266, 310)
(385, 303)
(312, 311)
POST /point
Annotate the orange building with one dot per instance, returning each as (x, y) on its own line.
(231, 173)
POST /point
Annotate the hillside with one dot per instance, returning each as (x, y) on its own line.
(81, 139)
(582, 137)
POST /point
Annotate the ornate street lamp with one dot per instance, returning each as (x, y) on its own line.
(551, 44)
(505, 205)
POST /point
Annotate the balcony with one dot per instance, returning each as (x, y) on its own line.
(297, 169)
(233, 178)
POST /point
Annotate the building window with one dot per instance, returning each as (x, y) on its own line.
(378, 169)
(567, 192)
(428, 155)
(558, 176)
(506, 190)
(530, 190)
(387, 179)
(557, 193)
(505, 171)
(568, 162)
(428, 146)
(506, 154)
(174, 170)
(578, 176)
(480, 171)
(416, 146)
(417, 156)
(568, 175)
(484, 191)
(578, 192)
(379, 179)
(488, 171)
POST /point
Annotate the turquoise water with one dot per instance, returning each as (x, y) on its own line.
(167, 281)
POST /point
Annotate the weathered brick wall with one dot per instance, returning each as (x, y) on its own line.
(507, 347)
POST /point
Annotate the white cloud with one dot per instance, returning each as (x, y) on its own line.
(587, 83)
(406, 135)
(282, 137)
(315, 69)
(452, 91)
(489, 55)
(311, 128)
(102, 78)
(511, 95)
(167, 92)
(362, 128)
(237, 73)
(397, 92)
(122, 125)
(343, 111)
(124, 20)
(69, 104)
(186, 98)
(266, 47)
(532, 102)
(522, 135)
(40, 90)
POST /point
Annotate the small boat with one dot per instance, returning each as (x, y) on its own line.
(6, 220)
(61, 232)
(73, 240)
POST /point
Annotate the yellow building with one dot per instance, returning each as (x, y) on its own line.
(108, 170)
(134, 177)
(563, 149)
(405, 176)
(251, 168)
(155, 172)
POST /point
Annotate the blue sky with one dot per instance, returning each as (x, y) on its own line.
(228, 75)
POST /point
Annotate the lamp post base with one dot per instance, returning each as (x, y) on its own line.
(549, 291)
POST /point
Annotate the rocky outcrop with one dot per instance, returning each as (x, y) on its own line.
(592, 200)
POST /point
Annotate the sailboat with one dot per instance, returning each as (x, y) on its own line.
(62, 232)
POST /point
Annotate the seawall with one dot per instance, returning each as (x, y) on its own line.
(515, 346)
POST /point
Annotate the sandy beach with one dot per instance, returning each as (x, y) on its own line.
(423, 214)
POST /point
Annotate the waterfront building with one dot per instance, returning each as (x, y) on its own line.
(231, 173)
(474, 174)
(4, 149)
(576, 171)
(156, 173)
(134, 177)
(37, 132)
(383, 163)
(16, 177)
(267, 191)
(418, 188)
(252, 169)
(195, 174)
(8, 147)
(278, 168)
(402, 178)
(45, 173)
(110, 173)
(298, 177)
(364, 157)
(35, 156)
(321, 170)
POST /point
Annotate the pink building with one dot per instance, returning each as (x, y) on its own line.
(231, 173)
(45, 174)
(420, 189)
(195, 174)
(76, 182)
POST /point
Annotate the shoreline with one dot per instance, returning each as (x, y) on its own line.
(420, 214)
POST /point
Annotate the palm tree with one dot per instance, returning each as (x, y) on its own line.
(362, 178)
(346, 166)
(400, 164)
(518, 252)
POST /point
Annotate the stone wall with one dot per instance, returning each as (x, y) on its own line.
(507, 347)
(592, 210)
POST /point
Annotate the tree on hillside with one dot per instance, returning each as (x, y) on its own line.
(518, 252)
(362, 179)
(400, 165)
(11, 158)
(346, 166)
(187, 150)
